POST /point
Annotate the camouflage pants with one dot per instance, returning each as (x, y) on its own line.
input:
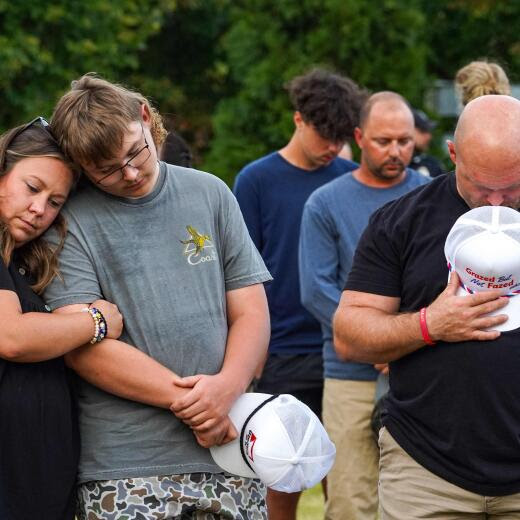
(198, 496)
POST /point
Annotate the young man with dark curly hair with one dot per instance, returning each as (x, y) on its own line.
(271, 192)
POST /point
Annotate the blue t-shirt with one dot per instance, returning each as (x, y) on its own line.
(333, 219)
(271, 193)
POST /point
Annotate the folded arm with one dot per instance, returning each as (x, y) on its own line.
(38, 336)
(206, 406)
(369, 328)
(318, 266)
(123, 370)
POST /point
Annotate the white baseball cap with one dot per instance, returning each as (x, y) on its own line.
(483, 247)
(281, 442)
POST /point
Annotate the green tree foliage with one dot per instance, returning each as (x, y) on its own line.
(380, 46)
(183, 71)
(44, 45)
(217, 68)
(460, 31)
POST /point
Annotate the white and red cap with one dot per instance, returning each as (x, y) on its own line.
(483, 247)
(281, 442)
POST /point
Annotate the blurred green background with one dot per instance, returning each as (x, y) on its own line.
(216, 68)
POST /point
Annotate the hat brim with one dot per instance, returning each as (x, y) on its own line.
(228, 456)
(512, 309)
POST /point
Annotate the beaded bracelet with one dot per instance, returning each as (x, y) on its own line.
(100, 324)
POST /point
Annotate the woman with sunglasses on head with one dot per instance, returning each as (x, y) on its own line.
(38, 432)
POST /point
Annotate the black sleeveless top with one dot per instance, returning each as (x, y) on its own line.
(39, 441)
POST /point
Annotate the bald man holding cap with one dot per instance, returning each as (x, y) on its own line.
(450, 445)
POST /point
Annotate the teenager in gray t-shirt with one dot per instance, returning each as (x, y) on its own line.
(169, 246)
(140, 254)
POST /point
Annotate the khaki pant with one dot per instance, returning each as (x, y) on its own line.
(407, 491)
(352, 481)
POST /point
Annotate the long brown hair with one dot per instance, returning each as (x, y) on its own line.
(36, 256)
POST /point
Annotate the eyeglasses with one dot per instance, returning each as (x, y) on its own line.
(136, 161)
(36, 121)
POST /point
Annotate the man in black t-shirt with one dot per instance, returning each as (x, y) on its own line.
(451, 436)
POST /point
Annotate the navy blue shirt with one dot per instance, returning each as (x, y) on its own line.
(271, 193)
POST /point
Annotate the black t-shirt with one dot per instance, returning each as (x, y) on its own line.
(39, 442)
(453, 407)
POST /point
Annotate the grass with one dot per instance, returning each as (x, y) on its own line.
(311, 505)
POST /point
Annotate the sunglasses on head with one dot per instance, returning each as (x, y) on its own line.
(41, 121)
(36, 121)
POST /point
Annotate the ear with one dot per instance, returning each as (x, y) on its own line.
(358, 136)
(145, 114)
(452, 152)
(298, 119)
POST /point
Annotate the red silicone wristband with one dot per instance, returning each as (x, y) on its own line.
(424, 327)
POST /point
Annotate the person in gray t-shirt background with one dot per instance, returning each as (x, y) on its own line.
(169, 246)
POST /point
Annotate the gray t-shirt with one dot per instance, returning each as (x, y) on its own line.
(167, 260)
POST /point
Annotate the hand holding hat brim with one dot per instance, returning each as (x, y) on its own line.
(483, 249)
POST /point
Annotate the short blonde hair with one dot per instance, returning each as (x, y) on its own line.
(480, 78)
(90, 121)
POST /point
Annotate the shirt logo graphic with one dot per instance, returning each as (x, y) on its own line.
(250, 444)
(197, 245)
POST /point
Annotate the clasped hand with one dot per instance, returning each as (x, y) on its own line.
(204, 407)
